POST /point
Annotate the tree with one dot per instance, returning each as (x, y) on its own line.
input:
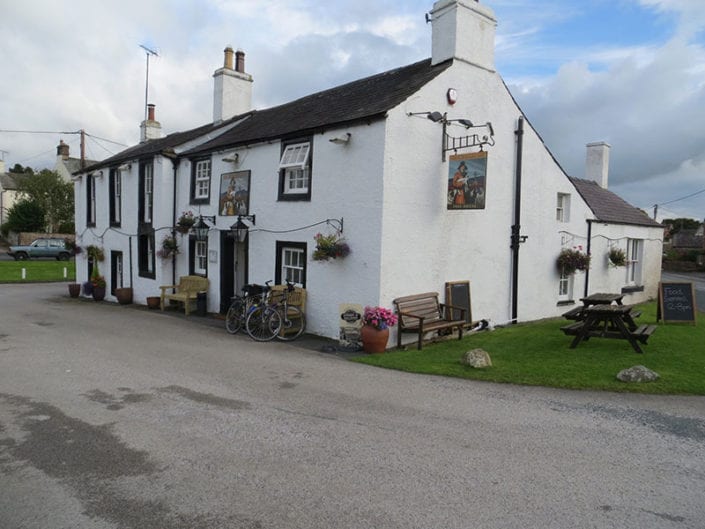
(25, 215)
(18, 169)
(52, 194)
(676, 225)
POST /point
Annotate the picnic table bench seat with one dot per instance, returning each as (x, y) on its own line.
(423, 313)
(643, 332)
(185, 292)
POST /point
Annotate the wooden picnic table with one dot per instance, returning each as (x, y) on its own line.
(600, 298)
(609, 321)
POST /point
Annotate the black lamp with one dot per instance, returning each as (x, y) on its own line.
(240, 229)
(200, 229)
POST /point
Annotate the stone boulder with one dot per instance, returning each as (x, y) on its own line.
(477, 358)
(637, 374)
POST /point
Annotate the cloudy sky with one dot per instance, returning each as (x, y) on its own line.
(629, 72)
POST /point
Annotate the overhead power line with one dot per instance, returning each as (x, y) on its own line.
(681, 198)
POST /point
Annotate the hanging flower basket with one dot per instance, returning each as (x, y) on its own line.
(617, 257)
(185, 221)
(169, 247)
(330, 247)
(95, 253)
(571, 260)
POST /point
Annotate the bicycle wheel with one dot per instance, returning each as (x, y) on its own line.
(235, 318)
(293, 324)
(263, 323)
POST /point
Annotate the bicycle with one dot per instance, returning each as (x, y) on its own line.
(263, 321)
(237, 312)
(293, 322)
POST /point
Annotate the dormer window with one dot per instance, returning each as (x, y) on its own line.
(295, 171)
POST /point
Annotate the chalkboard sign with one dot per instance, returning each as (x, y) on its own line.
(676, 302)
(458, 294)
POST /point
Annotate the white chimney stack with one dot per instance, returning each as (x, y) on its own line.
(232, 87)
(150, 129)
(463, 30)
(597, 163)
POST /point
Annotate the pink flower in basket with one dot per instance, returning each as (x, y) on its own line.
(379, 317)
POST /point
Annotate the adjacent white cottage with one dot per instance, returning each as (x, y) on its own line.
(431, 172)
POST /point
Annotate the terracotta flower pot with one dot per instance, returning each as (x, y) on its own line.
(374, 340)
(123, 295)
(74, 289)
(153, 302)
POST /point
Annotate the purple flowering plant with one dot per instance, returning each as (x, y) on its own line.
(330, 247)
(379, 318)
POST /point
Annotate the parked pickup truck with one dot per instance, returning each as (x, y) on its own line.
(46, 247)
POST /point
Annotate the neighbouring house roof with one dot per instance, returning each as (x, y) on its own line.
(364, 99)
(7, 181)
(73, 165)
(608, 207)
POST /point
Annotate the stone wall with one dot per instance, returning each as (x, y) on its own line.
(25, 238)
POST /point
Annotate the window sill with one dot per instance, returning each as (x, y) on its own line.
(302, 197)
(566, 302)
(635, 288)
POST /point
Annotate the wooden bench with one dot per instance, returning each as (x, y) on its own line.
(422, 313)
(185, 292)
(296, 297)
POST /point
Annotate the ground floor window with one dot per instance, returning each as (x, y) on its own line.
(565, 286)
(635, 250)
(199, 260)
(291, 263)
(116, 270)
(145, 254)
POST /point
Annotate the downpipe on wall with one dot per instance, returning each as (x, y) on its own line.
(516, 237)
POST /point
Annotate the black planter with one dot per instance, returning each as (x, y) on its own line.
(98, 293)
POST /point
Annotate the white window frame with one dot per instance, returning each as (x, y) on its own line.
(92, 204)
(295, 155)
(293, 261)
(202, 180)
(117, 198)
(296, 180)
(565, 286)
(563, 207)
(635, 254)
(150, 254)
(200, 257)
(148, 192)
(118, 270)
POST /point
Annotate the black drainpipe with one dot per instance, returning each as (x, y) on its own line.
(516, 238)
(589, 242)
(175, 164)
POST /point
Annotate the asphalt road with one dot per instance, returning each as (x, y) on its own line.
(120, 417)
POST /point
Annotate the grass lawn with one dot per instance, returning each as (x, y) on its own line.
(538, 354)
(37, 271)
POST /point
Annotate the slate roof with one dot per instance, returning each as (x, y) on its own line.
(364, 99)
(160, 145)
(7, 181)
(608, 207)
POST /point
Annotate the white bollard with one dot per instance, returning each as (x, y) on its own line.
(24, 274)
(65, 274)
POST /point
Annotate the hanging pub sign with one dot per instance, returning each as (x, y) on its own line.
(234, 196)
(467, 180)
